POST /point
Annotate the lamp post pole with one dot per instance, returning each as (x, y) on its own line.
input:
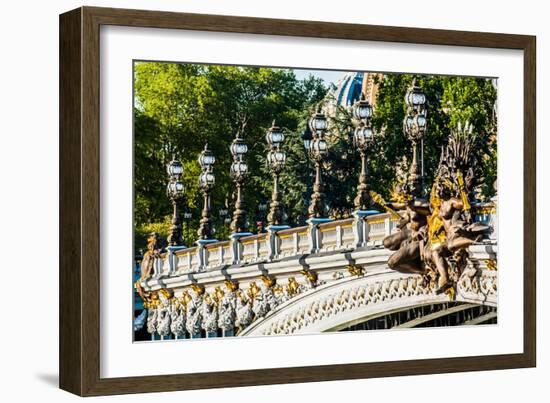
(276, 162)
(239, 171)
(175, 191)
(318, 150)
(206, 182)
(306, 137)
(414, 126)
(362, 138)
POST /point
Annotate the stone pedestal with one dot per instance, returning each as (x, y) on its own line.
(236, 247)
(172, 259)
(272, 241)
(202, 252)
(313, 233)
(361, 227)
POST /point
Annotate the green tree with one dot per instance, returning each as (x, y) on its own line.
(450, 100)
(179, 107)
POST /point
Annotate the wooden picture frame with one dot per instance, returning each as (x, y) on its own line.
(79, 346)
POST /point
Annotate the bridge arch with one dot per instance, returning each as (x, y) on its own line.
(343, 303)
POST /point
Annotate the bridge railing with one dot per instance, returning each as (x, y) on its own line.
(345, 234)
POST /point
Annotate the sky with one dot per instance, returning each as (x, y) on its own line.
(328, 76)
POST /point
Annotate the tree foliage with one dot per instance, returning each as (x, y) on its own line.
(179, 107)
(451, 100)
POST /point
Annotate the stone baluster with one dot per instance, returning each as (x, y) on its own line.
(338, 236)
(202, 253)
(172, 258)
(237, 247)
(312, 232)
(272, 244)
(273, 241)
(360, 228)
(387, 226)
(189, 261)
(157, 267)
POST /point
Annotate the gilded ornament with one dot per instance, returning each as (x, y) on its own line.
(268, 281)
(293, 287)
(355, 270)
(491, 264)
(231, 285)
(198, 288)
(253, 290)
(311, 276)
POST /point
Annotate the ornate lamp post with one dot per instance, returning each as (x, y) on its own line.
(239, 172)
(175, 192)
(318, 150)
(275, 161)
(206, 182)
(414, 126)
(362, 138)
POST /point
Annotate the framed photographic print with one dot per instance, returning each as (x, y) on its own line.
(250, 201)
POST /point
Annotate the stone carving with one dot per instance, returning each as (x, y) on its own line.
(433, 235)
(154, 247)
(196, 310)
(263, 298)
(152, 320)
(227, 311)
(261, 302)
(475, 283)
(140, 320)
(244, 313)
(209, 315)
(480, 288)
(163, 321)
(178, 318)
(194, 313)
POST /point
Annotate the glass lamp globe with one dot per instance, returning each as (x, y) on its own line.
(363, 135)
(319, 147)
(362, 109)
(275, 135)
(239, 168)
(175, 189)
(238, 147)
(415, 96)
(318, 122)
(206, 158)
(207, 179)
(175, 168)
(276, 158)
(306, 137)
(420, 121)
(409, 123)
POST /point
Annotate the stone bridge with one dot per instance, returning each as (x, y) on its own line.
(330, 276)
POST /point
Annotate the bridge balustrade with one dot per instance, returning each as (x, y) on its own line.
(337, 235)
